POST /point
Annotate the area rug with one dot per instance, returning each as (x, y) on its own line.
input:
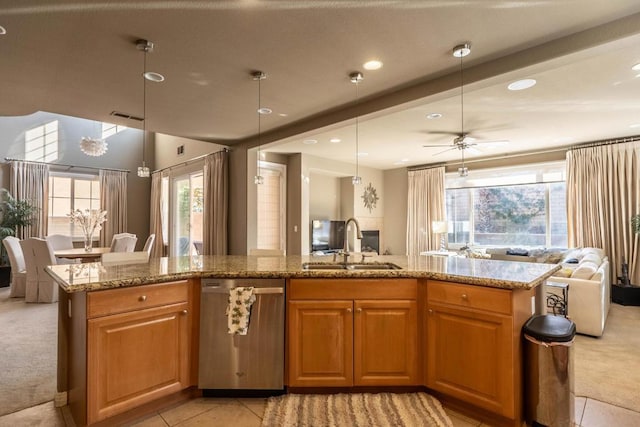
(28, 351)
(361, 409)
(607, 368)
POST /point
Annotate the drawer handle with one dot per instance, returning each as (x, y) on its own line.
(465, 297)
(358, 310)
(430, 311)
(184, 312)
(348, 310)
(142, 298)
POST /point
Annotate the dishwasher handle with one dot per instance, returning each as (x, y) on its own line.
(256, 291)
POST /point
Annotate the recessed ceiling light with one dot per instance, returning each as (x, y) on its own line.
(636, 67)
(522, 84)
(462, 50)
(635, 125)
(283, 114)
(310, 141)
(2, 30)
(434, 116)
(335, 140)
(265, 110)
(372, 65)
(154, 77)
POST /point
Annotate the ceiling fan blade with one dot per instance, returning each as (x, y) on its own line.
(495, 143)
(474, 150)
(448, 149)
(437, 145)
(443, 132)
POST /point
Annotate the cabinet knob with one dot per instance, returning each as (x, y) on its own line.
(465, 297)
(142, 298)
(358, 310)
(185, 311)
(348, 310)
(430, 311)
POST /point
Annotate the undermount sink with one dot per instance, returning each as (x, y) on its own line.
(350, 266)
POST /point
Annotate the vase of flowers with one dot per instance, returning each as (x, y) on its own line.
(90, 221)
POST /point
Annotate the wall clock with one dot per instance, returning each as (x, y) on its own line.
(370, 197)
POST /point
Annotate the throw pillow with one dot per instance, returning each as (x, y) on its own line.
(584, 271)
(570, 261)
(565, 272)
(591, 257)
(518, 252)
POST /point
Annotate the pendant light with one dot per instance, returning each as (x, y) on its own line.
(259, 76)
(93, 146)
(460, 51)
(356, 78)
(145, 46)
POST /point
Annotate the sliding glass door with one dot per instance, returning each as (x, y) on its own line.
(188, 200)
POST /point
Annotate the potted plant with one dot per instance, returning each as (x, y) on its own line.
(14, 214)
(635, 223)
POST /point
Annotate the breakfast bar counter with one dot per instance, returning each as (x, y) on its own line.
(482, 272)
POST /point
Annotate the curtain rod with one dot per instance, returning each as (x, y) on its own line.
(187, 162)
(605, 142)
(9, 159)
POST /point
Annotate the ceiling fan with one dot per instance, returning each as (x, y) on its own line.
(462, 140)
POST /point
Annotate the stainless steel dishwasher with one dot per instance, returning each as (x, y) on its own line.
(254, 361)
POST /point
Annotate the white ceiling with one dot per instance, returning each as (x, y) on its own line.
(79, 59)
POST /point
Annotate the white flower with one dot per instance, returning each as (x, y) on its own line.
(90, 220)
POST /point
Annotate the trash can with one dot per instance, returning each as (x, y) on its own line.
(549, 395)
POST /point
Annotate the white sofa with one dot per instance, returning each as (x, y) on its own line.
(589, 289)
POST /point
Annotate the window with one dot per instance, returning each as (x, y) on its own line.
(69, 192)
(508, 207)
(41, 143)
(109, 129)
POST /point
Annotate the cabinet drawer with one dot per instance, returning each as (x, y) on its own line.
(112, 301)
(470, 296)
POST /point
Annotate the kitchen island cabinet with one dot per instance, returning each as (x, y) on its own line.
(355, 332)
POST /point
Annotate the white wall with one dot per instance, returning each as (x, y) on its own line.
(325, 200)
(395, 211)
(166, 148)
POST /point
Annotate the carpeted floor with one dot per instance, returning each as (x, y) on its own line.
(357, 409)
(28, 353)
(608, 368)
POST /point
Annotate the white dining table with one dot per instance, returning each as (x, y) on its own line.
(86, 256)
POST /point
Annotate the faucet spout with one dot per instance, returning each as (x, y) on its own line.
(345, 249)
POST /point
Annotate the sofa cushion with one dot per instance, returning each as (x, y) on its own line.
(591, 257)
(597, 251)
(565, 272)
(585, 270)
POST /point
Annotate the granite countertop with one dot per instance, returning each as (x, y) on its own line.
(482, 272)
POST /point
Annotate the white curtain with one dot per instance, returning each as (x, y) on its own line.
(426, 203)
(603, 193)
(30, 181)
(113, 199)
(156, 215)
(216, 189)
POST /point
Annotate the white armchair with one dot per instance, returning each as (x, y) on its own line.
(18, 267)
(38, 254)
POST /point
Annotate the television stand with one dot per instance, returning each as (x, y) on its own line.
(625, 295)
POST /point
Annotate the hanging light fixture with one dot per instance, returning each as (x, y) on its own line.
(259, 76)
(356, 78)
(93, 146)
(145, 46)
(460, 51)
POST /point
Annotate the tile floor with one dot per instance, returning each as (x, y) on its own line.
(248, 413)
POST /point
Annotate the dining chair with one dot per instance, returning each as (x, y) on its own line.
(198, 246)
(124, 244)
(119, 235)
(121, 258)
(18, 267)
(61, 241)
(40, 287)
(148, 245)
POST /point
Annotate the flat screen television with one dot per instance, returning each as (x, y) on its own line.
(327, 235)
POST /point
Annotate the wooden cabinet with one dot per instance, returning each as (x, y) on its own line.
(138, 345)
(355, 332)
(473, 345)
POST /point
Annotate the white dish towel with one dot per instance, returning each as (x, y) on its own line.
(239, 310)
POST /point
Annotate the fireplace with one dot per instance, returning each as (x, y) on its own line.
(370, 241)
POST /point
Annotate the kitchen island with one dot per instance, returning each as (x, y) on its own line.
(459, 321)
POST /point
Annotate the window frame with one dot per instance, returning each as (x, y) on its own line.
(73, 176)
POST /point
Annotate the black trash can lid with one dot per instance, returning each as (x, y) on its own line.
(548, 328)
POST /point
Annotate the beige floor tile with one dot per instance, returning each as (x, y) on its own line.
(45, 415)
(256, 405)
(153, 421)
(599, 414)
(460, 420)
(236, 415)
(193, 408)
(579, 404)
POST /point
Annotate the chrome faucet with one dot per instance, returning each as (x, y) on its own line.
(345, 249)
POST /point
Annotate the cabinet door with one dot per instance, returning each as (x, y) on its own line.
(320, 343)
(136, 357)
(385, 342)
(470, 357)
